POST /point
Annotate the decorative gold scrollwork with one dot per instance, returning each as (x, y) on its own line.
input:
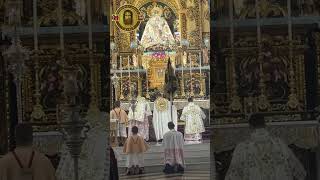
(161, 104)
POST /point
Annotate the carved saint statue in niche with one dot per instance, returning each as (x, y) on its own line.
(205, 56)
(184, 58)
(135, 60)
(178, 57)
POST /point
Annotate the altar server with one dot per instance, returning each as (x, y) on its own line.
(173, 150)
(25, 163)
(263, 157)
(120, 116)
(135, 146)
(193, 116)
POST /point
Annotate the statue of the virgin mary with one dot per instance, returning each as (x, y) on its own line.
(157, 31)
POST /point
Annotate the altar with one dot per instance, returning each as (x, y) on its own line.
(144, 58)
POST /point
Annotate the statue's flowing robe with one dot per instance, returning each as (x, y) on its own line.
(134, 147)
(139, 117)
(173, 148)
(93, 162)
(161, 118)
(41, 165)
(193, 116)
(263, 157)
(157, 33)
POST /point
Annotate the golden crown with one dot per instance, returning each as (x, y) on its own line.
(156, 10)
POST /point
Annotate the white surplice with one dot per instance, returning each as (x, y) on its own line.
(139, 117)
(173, 148)
(193, 116)
(93, 161)
(161, 118)
(263, 157)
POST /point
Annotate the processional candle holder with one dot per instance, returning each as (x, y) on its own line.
(16, 55)
(113, 49)
(73, 125)
(121, 80)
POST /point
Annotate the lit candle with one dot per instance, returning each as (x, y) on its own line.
(121, 67)
(200, 62)
(258, 23)
(190, 65)
(290, 28)
(90, 25)
(35, 25)
(129, 70)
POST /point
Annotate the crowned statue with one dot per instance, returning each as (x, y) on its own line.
(157, 31)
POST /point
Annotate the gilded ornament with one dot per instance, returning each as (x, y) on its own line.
(161, 104)
(37, 112)
(263, 103)
(235, 105)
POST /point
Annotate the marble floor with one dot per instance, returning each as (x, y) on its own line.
(188, 175)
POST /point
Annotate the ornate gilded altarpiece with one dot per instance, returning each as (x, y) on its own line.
(182, 18)
(260, 67)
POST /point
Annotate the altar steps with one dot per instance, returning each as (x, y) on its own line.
(197, 157)
(190, 175)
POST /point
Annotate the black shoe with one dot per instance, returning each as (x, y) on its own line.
(180, 169)
(141, 171)
(168, 169)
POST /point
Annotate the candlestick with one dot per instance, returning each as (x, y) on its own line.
(130, 95)
(61, 30)
(93, 107)
(183, 94)
(139, 82)
(201, 86)
(235, 104)
(293, 102)
(191, 84)
(147, 83)
(37, 112)
(258, 23)
(121, 84)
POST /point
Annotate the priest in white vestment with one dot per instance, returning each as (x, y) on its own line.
(193, 116)
(263, 157)
(173, 150)
(93, 159)
(162, 116)
(139, 113)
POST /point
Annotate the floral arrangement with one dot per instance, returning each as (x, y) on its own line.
(159, 55)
